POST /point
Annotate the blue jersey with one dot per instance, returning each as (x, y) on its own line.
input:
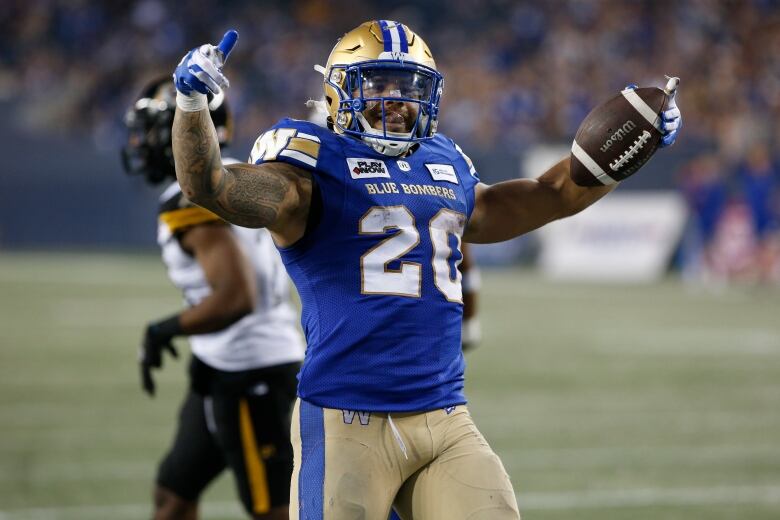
(377, 274)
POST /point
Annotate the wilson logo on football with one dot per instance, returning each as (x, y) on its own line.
(367, 168)
(622, 132)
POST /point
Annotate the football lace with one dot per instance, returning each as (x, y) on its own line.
(631, 152)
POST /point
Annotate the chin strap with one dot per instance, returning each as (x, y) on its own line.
(392, 151)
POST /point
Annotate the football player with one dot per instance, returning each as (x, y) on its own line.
(246, 348)
(471, 281)
(369, 215)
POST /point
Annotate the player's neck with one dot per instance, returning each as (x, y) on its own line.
(411, 150)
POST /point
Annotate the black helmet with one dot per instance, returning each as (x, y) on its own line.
(149, 121)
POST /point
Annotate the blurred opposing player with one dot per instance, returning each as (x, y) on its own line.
(246, 349)
(471, 281)
(369, 216)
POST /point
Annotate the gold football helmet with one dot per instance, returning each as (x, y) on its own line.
(381, 85)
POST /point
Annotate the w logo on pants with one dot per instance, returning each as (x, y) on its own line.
(349, 416)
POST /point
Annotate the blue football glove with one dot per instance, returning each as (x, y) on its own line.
(200, 71)
(671, 118)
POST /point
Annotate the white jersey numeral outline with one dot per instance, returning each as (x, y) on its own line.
(375, 275)
(445, 223)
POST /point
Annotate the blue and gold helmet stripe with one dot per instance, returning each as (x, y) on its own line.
(394, 36)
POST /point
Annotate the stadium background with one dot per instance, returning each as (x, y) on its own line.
(604, 400)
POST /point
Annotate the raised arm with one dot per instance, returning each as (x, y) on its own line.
(275, 195)
(512, 208)
(272, 195)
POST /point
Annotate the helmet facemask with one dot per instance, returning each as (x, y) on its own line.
(390, 104)
(148, 150)
(381, 85)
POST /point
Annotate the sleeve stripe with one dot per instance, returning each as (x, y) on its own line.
(472, 170)
(179, 219)
(298, 156)
(276, 142)
(308, 136)
(310, 148)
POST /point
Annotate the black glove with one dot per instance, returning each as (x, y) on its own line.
(157, 338)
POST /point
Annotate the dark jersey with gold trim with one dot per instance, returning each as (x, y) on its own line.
(377, 275)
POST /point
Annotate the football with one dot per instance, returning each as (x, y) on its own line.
(618, 136)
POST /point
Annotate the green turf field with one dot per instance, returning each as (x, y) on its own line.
(613, 402)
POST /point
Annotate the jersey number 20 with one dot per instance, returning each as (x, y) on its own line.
(376, 277)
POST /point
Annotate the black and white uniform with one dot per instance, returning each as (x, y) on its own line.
(237, 412)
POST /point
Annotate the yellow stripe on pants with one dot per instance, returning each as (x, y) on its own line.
(255, 468)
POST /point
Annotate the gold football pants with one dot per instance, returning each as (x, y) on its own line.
(432, 465)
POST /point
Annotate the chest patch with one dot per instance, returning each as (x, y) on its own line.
(443, 172)
(367, 168)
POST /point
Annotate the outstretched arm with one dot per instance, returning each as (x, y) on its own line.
(512, 208)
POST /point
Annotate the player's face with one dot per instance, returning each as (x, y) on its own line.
(398, 88)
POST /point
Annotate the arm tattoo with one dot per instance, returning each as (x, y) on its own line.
(195, 153)
(243, 194)
(253, 196)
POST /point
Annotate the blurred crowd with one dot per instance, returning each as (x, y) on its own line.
(734, 231)
(517, 73)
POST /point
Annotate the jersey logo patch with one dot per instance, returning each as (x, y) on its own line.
(286, 142)
(367, 168)
(442, 172)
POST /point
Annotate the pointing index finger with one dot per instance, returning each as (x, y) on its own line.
(228, 42)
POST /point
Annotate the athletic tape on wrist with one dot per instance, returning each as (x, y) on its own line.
(193, 103)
